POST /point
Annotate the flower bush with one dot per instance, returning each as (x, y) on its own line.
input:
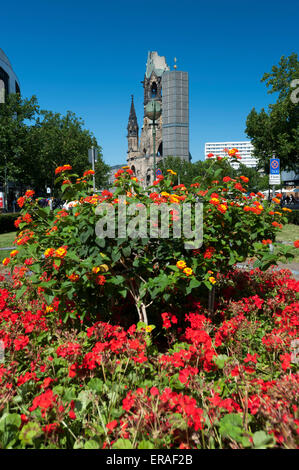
(145, 342)
(193, 382)
(96, 276)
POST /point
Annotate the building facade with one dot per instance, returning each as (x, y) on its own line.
(9, 82)
(170, 89)
(113, 170)
(245, 150)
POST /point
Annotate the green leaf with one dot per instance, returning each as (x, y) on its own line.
(101, 242)
(115, 255)
(20, 292)
(116, 280)
(178, 422)
(91, 444)
(122, 444)
(96, 384)
(231, 425)
(220, 360)
(261, 440)
(12, 420)
(49, 298)
(126, 251)
(83, 400)
(145, 445)
(30, 432)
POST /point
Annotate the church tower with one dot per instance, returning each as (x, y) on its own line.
(132, 130)
(172, 127)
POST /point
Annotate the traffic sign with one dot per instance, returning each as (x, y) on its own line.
(92, 155)
(274, 166)
(158, 172)
(274, 179)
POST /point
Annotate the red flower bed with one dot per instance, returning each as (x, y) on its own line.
(227, 380)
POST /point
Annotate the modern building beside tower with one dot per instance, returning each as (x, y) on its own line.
(245, 150)
(9, 82)
(171, 89)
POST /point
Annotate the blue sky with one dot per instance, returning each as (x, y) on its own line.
(89, 57)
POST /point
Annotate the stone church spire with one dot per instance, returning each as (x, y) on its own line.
(132, 124)
(132, 129)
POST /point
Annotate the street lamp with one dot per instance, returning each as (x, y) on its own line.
(153, 111)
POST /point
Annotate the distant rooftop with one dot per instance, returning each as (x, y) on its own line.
(155, 63)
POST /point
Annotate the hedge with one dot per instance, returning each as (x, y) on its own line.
(293, 217)
(7, 222)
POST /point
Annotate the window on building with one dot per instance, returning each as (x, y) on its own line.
(154, 90)
(4, 78)
(160, 150)
(17, 88)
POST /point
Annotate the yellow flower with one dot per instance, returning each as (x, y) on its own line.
(6, 261)
(173, 198)
(48, 252)
(181, 264)
(49, 308)
(60, 252)
(164, 194)
(13, 253)
(148, 328)
(104, 268)
(96, 269)
(212, 280)
(214, 201)
(188, 271)
(171, 172)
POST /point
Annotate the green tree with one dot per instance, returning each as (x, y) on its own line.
(34, 142)
(57, 140)
(275, 132)
(16, 117)
(184, 169)
(203, 170)
(257, 181)
(101, 173)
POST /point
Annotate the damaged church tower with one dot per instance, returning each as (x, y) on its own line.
(171, 89)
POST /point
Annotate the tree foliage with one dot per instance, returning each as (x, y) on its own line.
(34, 142)
(16, 116)
(275, 133)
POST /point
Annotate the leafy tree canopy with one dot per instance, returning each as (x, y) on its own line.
(34, 142)
(275, 132)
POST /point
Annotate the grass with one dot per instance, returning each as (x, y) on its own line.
(288, 234)
(6, 240)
